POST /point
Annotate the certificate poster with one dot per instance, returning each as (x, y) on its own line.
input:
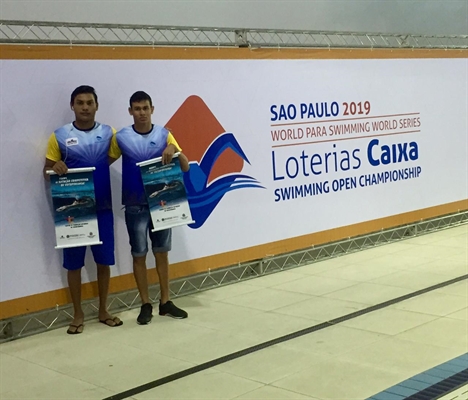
(74, 204)
(165, 192)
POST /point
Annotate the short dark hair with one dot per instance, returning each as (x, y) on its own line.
(140, 96)
(83, 89)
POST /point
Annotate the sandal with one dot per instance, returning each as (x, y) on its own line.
(116, 322)
(76, 329)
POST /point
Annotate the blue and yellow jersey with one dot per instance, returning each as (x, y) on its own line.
(135, 147)
(81, 149)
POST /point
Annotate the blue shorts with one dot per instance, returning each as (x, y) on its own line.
(138, 220)
(74, 257)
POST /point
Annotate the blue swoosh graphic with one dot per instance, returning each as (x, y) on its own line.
(204, 198)
(218, 196)
(219, 187)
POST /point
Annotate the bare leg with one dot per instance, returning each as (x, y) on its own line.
(141, 277)
(103, 275)
(166, 307)
(74, 284)
(162, 267)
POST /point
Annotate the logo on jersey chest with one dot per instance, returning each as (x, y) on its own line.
(71, 142)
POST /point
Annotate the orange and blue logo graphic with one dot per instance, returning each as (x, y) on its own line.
(217, 158)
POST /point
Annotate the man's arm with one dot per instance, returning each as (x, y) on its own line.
(184, 162)
(169, 152)
(48, 166)
(53, 159)
(114, 150)
(172, 148)
(59, 167)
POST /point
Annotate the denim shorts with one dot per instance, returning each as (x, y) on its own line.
(139, 225)
(74, 257)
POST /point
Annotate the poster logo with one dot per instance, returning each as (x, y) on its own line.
(219, 158)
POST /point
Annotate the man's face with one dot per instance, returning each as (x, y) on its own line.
(85, 107)
(141, 112)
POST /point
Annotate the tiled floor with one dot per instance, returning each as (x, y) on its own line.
(351, 360)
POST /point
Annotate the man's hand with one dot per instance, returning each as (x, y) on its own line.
(168, 153)
(60, 168)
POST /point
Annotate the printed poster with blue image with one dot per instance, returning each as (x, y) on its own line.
(74, 204)
(166, 193)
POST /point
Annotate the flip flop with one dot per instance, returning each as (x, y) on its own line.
(106, 322)
(77, 329)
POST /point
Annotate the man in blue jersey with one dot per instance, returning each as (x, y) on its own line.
(140, 142)
(85, 143)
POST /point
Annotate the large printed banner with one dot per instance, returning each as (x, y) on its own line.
(165, 192)
(281, 152)
(74, 203)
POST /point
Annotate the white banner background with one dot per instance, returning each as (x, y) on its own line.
(35, 98)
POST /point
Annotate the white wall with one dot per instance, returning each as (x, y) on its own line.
(404, 16)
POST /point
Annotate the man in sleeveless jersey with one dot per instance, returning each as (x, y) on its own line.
(140, 142)
(85, 143)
